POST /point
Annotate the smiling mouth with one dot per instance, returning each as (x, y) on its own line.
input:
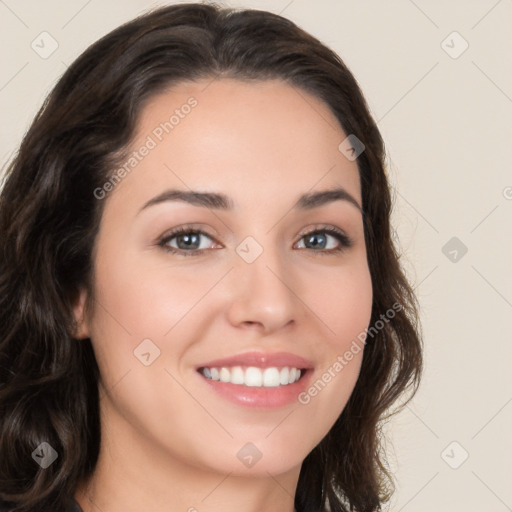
(253, 376)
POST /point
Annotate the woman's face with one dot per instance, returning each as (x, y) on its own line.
(254, 278)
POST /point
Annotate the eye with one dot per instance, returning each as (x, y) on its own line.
(186, 241)
(319, 238)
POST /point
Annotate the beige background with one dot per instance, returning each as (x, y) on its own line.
(447, 125)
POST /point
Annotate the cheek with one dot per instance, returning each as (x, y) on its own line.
(145, 300)
(131, 307)
(342, 301)
(344, 305)
(146, 308)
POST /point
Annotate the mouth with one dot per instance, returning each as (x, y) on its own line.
(252, 376)
(261, 380)
(254, 387)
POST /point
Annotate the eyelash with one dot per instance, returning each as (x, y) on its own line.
(345, 241)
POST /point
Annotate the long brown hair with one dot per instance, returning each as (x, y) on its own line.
(49, 217)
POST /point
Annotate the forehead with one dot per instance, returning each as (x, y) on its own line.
(268, 135)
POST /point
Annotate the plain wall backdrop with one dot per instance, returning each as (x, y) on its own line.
(438, 78)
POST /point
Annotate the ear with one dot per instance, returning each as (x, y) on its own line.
(81, 327)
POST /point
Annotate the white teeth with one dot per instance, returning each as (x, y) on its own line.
(271, 377)
(224, 375)
(237, 375)
(253, 376)
(283, 375)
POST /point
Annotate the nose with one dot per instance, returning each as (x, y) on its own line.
(263, 295)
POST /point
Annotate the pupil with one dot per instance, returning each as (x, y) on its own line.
(314, 243)
(189, 240)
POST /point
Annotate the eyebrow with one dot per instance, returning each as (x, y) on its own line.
(219, 201)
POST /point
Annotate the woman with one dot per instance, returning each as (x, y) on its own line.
(202, 306)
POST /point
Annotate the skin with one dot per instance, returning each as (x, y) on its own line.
(168, 442)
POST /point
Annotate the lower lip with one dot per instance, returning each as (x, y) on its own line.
(260, 397)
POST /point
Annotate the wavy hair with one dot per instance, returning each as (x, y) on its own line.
(49, 218)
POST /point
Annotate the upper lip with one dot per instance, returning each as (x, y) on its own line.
(261, 360)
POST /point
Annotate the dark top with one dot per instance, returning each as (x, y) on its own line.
(74, 507)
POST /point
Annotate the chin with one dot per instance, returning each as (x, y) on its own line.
(259, 458)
